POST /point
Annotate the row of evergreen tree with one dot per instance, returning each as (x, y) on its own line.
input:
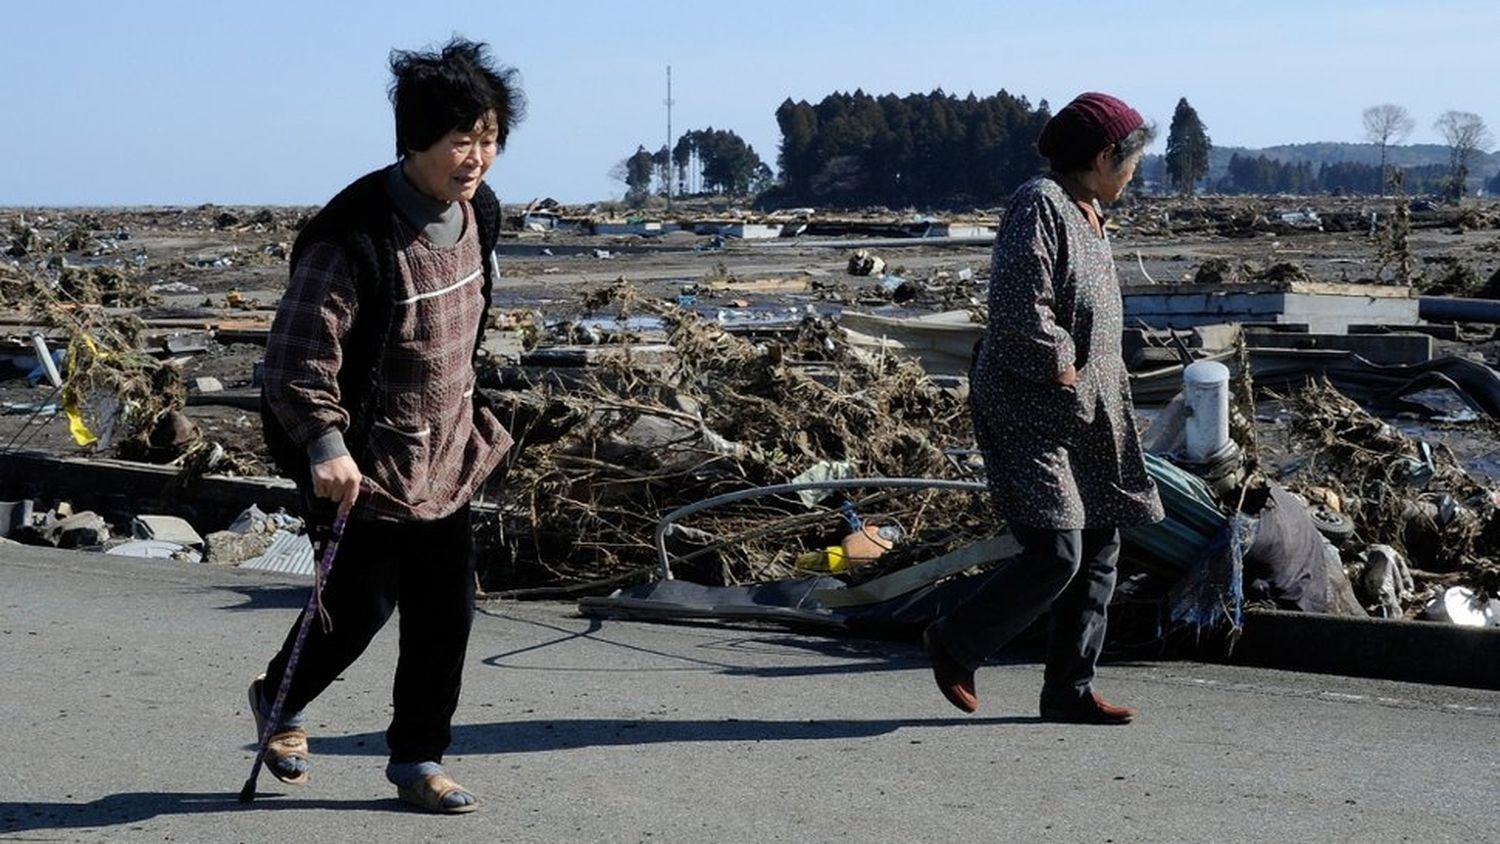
(1262, 174)
(932, 149)
(940, 150)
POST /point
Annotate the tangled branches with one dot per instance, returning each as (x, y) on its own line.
(598, 465)
(1400, 491)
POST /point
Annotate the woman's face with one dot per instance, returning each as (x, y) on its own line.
(1110, 181)
(450, 170)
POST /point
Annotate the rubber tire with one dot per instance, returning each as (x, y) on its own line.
(1335, 526)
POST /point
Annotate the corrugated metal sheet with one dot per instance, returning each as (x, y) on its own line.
(290, 553)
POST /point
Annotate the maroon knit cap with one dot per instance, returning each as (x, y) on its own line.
(1090, 123)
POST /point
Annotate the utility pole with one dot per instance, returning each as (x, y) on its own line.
(671, 168)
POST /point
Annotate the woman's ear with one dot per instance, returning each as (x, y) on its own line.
(1104, 161)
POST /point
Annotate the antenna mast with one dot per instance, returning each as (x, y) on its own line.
(671, 170)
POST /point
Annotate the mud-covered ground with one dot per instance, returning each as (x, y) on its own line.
(215, 264)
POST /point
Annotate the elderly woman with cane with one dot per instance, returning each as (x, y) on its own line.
(1053, 417)
(370, 403)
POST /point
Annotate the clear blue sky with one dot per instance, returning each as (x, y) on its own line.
(165, 102)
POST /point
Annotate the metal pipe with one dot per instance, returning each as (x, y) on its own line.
(1457, 309)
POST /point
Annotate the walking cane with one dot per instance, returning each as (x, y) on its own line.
(314, 607)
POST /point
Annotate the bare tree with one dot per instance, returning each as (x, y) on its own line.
(1387, 124)
(1466, 134)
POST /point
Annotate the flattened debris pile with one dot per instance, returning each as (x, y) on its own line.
(597, 465)
(1225, 271)
(1249, 217)
(1399, 492)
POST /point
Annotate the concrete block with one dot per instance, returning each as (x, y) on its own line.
(1409, 651)
(14, 515)
(166, 529)
(229, 547)
(208, 384)
(1441, 332)
(1382, 349)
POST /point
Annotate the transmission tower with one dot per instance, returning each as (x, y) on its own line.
(671, 169)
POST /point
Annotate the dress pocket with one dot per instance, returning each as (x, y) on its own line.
(400, 461)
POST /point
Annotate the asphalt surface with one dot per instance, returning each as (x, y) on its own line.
(122, 718)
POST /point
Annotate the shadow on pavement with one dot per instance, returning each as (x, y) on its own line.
(562, 734)
(136, 806)
(270, 597)
(858, 655)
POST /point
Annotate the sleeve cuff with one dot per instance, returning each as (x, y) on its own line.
(327, 446)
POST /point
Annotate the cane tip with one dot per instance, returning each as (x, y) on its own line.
(247, 793)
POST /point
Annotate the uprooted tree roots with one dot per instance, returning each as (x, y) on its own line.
(1399, 491)
(597, 466)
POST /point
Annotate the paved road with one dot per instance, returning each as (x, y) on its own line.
(122, 719)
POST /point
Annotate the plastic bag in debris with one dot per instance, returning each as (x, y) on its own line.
(1285, 563)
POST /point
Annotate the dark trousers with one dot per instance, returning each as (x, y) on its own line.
(1070, 571)
(427, 570)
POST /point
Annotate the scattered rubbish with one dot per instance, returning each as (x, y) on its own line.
(864, 263)
(255, 520)
(826, 470)
(1305, 219)
(79, 530)
(46, 361)
(172, 287)
(1387, 580)
(1460, 605)
(30, 408)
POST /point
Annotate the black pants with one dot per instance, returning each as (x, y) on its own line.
(1070, 571)
(427, 570)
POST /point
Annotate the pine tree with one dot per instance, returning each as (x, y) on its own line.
(1187, 148)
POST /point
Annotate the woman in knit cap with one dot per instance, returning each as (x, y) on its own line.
(1053, 417)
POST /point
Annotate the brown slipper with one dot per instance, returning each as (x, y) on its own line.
(432, 794)
(286, 754)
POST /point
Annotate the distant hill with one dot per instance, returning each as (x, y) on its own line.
(1331, 152)
(1482, 168)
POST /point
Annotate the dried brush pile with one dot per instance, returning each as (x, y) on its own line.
(596, 466)
(1400, 491)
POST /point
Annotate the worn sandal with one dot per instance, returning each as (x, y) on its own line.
(286, 753)
(431, 794)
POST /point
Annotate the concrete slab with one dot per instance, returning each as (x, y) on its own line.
(1328, 308)
(1383, 349)
(167, 529)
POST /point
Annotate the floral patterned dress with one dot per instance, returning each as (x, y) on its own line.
(1057, 457)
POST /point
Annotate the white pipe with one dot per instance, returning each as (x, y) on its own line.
(1205, 386)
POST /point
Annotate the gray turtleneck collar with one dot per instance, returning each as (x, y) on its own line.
(441, 222)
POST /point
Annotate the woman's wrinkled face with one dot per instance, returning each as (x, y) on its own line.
(1111, 179)
(452, 168)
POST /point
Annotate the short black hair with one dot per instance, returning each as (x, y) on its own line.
(436, 92)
